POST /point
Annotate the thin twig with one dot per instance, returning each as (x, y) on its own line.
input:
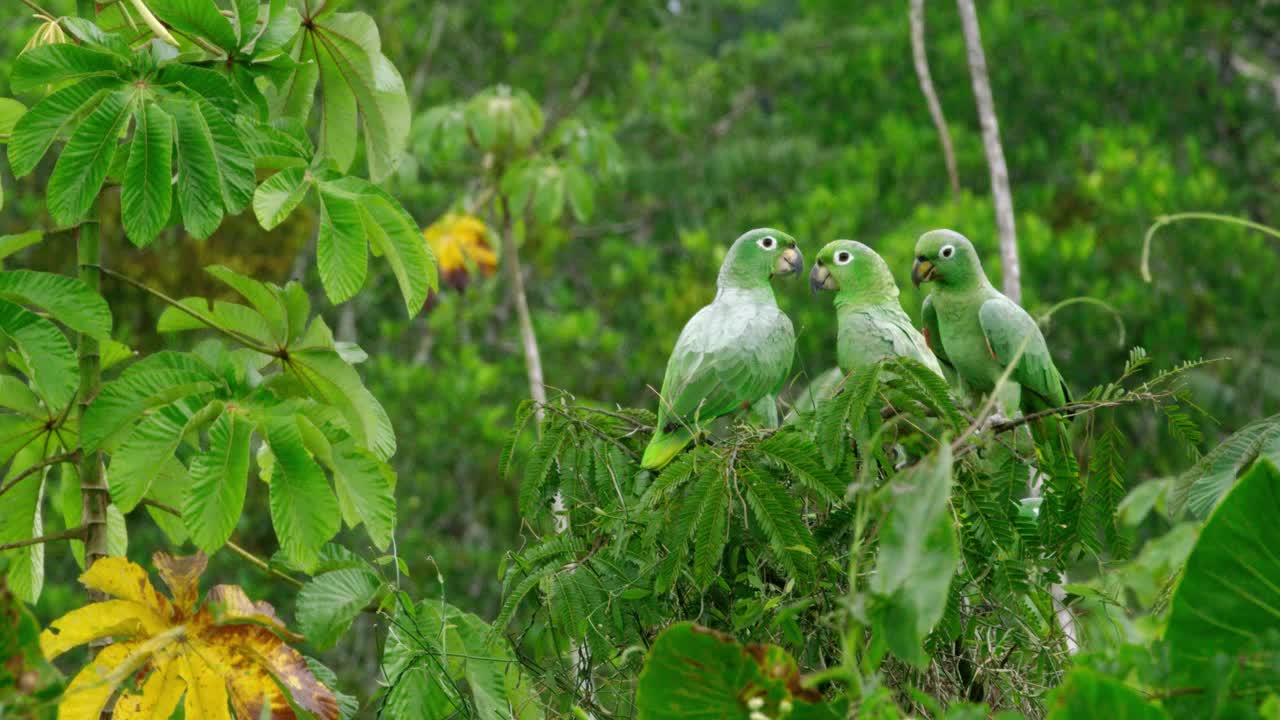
(213, 325)
(921, 57)
(75, 533)
(253, 559)
(73, 456)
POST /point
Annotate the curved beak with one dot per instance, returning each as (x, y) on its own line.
(790, 261)
(922, 271)
(820, 279)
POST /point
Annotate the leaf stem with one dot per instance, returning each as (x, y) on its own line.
(73, 456)
(75, 533)
(1163, 220)
(208, 321)
(153, 22)
(253, 559)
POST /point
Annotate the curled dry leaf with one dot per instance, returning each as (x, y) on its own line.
(461, 247)
(228, 651)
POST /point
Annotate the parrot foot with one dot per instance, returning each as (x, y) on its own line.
(993, 419)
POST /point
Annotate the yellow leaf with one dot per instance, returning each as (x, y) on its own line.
(93, 686)
(118, 577)
(206, 689)
(160, 695)
(460, 244)
(182, 575)
(213, 662)
(112, 618)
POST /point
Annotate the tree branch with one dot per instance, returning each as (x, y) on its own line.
(73, 456)
(253, 559)
(930, 94)
(1001, 196)
(75, 533)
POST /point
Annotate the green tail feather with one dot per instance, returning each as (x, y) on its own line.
(665, 446)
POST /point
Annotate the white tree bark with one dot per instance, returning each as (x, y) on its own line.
(1001, 196)
(930, 95)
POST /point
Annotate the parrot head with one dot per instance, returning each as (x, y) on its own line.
(849, 266)
(758, 255)
(947, 258)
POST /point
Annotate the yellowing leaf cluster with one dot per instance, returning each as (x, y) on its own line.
(229, 653)
(461, 246)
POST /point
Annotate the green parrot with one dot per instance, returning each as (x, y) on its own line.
(732, 353)
(974, 328)
(873, 326)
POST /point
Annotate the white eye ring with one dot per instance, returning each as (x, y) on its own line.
(844, 257)
(947, 251)
(767, 242)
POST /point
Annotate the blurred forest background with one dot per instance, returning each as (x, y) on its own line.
(804, 115)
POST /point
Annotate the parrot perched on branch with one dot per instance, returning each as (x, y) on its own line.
(977, 330)
(734, 352)
(872, 324)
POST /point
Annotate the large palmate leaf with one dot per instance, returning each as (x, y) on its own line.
(357, 84)
(82, 167)
(330, 379)
(157, 380)
(52, 117)
(917, 558)
(67, 299)
(147, 193)
(304, 510)
(1228, 597)
(62, 63)
(21, 518)
(219, 477)
(330, 601)
(342, 252)
(45, 351)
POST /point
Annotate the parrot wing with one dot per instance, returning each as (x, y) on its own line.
(1006, 327)
(932, 335)
(727, 357)
(908, 342)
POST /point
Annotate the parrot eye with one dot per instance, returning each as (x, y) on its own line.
(767, 242)
(947, 251)
(844, 257)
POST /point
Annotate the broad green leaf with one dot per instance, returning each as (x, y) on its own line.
(582, 197)
(46, 352)
(158, 380)
(366, 491)
(355, 75)
(195, 82)
(60, 63)
(67, 299)
(304, 510)
(246, 20)
(268, 304)
(170, 486)
(1086, 694)
(10, 244)
(199, 186)
(695, 672)
(918, 556)
(10, 112)
(342, 254)
(148, 446)
(329, 379)
(394, 236)
(282, 25)
(1228, 595)
(117, 533)
(219, 478)
(146, 199)
(197, 17)
(328, 603)
(82, 167)
(296, 89)
(235, 167)
(21, 518)
(15, 395)
(420, 692)
(51, 117)
(279, 195)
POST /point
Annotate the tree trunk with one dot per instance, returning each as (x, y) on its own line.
(930, 95)
(528, 339)
(93, 488)
(1001, 196)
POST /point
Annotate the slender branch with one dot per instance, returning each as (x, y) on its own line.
(73, 456)
(253, 559)
(1001, 196)
(75, 533)
(528, 338)
(210, 322)
(595, 430)
(1163, 220)
(921, 58)
(39, 10)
